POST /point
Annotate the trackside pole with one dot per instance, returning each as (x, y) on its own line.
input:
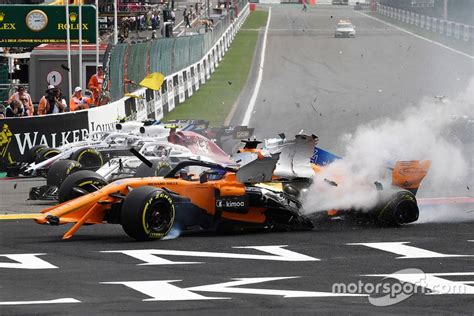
(96, 34)
(68, 40)
(80, 44)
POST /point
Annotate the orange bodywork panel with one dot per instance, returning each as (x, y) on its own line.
(405, 174)
(91, 208)
(409, 174)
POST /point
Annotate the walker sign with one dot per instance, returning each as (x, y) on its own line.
(27, 25)
(17, 136)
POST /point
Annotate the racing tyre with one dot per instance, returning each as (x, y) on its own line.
(45, 154)
(400, 209)
(80, 183)
(30, 155)
(159, 168)
(148, 213)
(60, 169)
(89, 158)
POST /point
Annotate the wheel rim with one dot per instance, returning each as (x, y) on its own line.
(404, 212)
(35, 153)
(90, 160)
(159, 216)
(50, 154)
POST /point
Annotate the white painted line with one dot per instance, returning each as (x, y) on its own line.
(177, 25)
(251, 105)
(418, 36)
(56, 301)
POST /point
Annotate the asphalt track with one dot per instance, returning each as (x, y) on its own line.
(345, 77)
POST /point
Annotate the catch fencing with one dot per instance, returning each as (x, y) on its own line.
(55, 130)
(132, 62)
(459, 31)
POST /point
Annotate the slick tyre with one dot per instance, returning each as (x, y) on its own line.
(80, 183)
(158, 169)
(59, 171)
(400, 209)
(147, 213)
(89, 158)
(45, 154)
(30, 155)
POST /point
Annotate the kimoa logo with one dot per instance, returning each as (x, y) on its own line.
(226, 203)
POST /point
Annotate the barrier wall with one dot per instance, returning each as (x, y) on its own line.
(18, 135)
(166, 55)
(455, 30)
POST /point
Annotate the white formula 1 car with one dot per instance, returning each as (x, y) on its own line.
(157, 143)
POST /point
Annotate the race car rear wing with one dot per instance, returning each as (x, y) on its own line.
(409, 174)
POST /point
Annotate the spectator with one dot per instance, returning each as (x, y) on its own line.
(15, 109)
(52, 102)
(25, 103)
(133, 23)
(59, 96)
(208, 24)
(42, 103)
(95, 84)
(148, 17)
(186, 16)
(173, 16)
(154, 22)
(79, 102)
(21, 92)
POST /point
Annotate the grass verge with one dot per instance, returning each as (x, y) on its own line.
(213, 101)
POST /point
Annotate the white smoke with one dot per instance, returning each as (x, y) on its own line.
(445, 214)
(174, 233)
(419, 133)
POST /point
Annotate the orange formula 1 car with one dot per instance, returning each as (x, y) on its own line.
(203, 196)
(194, 195)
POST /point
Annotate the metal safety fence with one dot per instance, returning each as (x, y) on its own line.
(21, 134)
(130, 63)
(462, 32)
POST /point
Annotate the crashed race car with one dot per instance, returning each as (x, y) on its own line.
(204, 196)
(90, 153)
(100, 147)
(195, 195)
(160, 144)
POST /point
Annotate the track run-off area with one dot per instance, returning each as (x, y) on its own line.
(310, 81)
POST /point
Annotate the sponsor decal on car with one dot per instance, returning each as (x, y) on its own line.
(237, 204)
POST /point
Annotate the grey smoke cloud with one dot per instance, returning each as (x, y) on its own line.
(423, 132)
